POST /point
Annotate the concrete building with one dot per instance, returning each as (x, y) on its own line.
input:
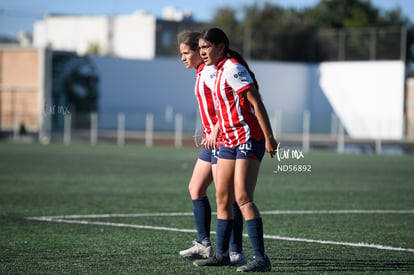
(131, 36)
(136, 36)
(21, 89)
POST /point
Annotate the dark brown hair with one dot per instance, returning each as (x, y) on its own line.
(217, 36)
(189, 38)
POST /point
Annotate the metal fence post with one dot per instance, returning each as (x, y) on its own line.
(121, 129)
(94, 128)
(149, 130)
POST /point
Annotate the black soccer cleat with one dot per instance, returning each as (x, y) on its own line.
(258, 264)
(213, 261)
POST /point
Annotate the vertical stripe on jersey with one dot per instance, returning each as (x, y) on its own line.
(225, 111)
(243, 131)
(233, 134)
(205, 101)
(219, 100)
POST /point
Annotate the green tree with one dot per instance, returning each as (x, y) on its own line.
(317, 33)
(226, 19)
(364, 24)
(340, 14)
(94, 48)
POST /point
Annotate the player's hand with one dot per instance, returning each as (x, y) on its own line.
(209, 142)
(271, 146)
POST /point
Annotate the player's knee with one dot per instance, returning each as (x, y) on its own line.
(245, 204)
(243, 199)
(222, 199)
(197, 190)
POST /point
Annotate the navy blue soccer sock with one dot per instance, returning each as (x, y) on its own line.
(255, 232)
(202, 217)
(223, 232)
(236, 239)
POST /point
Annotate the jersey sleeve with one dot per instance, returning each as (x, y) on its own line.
(210, 76)
(238, 78)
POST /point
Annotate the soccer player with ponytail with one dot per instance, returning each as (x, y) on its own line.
(245, 135)
(204, 169)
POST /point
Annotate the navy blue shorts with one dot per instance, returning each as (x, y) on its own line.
(209, 155)
(250, 150)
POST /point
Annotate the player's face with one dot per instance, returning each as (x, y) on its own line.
(190, 58)
(210, 53)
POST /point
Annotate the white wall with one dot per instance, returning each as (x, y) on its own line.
(71, 33)
(367, 96)
(133, 36)
(284, 86)
(143, 86)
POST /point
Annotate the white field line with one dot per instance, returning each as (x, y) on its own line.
(138, 226)
(115, 215)
(366, 245)
(274, 212)
(71, 219)
(333, 212)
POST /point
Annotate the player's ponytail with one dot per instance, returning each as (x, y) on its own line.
(217, 36)
(239, 58)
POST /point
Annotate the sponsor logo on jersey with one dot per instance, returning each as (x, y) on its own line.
(242, 75)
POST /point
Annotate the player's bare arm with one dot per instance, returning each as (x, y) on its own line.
(253, 97)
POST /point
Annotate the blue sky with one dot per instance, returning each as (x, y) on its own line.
(19, 15)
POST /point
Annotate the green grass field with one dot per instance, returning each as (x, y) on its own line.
(373, 236)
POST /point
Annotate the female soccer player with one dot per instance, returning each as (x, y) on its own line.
(245, 135)
(205, 167)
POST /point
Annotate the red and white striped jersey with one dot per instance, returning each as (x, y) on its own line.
(204, 94)
(238, 122)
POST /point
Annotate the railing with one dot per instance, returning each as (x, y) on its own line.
(303, 134)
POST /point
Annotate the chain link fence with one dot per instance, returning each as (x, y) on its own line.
(303, 45)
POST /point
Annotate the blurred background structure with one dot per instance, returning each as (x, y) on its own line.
(332, 73)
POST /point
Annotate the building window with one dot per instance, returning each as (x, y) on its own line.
(166, 39)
